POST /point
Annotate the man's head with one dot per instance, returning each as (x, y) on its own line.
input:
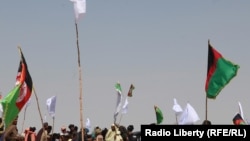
(130, 128)
(15, 121)
(71, 126)
(113, 127)
(63, 129)
(46, 125)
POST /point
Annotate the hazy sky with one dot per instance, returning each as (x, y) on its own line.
(158, 45)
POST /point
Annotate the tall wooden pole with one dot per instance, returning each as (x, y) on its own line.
(24, 117)
(206, 109)
(80, 82)
(39, 109)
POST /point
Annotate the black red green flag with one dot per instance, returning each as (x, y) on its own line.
(19, 95)
(219, 72)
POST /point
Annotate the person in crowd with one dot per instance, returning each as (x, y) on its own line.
(104, 132)
(71, 129)
(42, 134)
(93, 134)
(79, 134)
(30, 134)
(98, 135)
(131, 136)
(1, 127)
(118, 136)
(11, 133)
(111, 134)
(124, 132)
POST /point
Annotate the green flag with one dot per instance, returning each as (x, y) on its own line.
(159, 115)
(219, 72)
(9, 105)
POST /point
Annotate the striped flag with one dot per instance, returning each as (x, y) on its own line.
(220, 72)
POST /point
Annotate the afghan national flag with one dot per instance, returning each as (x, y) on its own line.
(238, 120)
(130, 92)
(19, 96)
(159, 115)
(219, 72)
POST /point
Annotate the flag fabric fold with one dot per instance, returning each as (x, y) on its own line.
(125, 106)
(79, 8)
(177, 108)
(189, 116)
(51, 106)
(119, 100)
(159, 115)
(19, 95)
(219, 72)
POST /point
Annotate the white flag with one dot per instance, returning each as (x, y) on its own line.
(241, 111)
(79, 8)
(87, 124)
(188, 116)
(51, 106)
(125, 106)
(119, 100)
(177, 108)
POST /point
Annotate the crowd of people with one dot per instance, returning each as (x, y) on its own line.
(71, 133)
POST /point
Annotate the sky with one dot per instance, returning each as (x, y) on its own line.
(158, 46)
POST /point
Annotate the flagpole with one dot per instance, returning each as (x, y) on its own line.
(176, 119)
(80, 81)
(206, 109)
(80, 8)
(120, 119)
(205, 93)
(24, 118)
(38, 107)
(53, 124)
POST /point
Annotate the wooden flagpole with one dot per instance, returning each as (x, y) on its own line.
(120, 119)
(80, 81)
(38, 105)
(24, 117)
(53, 125)
(206, 109)
(38, 108)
